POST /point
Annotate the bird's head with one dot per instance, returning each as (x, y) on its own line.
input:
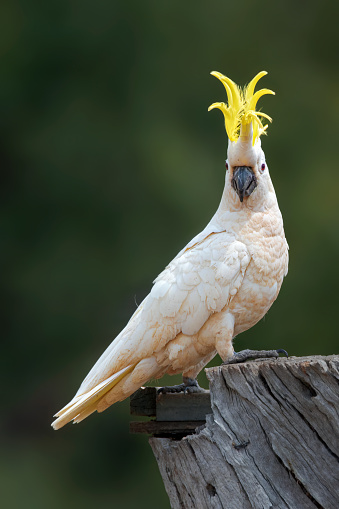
(246, 163)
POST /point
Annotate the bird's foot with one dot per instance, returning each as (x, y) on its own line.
(189, 385)
(245, 355)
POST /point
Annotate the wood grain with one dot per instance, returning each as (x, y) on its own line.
(170, 407)
(272, 440)
(163, 428)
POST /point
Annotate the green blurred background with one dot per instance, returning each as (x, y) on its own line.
(111, 163)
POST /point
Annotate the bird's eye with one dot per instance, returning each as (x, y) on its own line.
(263, 166)
(226, 165)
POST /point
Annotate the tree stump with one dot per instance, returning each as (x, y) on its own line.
(272, 440)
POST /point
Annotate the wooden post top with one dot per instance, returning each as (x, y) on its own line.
(271, 439)
(180, 414)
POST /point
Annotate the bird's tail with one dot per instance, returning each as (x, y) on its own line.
(84, 405)
(115, 388)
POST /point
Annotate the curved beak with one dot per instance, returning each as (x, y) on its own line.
(243, 181)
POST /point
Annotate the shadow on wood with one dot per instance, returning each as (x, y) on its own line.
(272, 440)
(176, 415)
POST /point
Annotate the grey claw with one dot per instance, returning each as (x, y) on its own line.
(280, 350)
(171, 389)
(246, 355)
(188, 386)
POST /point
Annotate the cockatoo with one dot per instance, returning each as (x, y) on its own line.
(219, 285)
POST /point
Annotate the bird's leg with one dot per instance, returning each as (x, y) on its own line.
(245, 355)
(188, 385)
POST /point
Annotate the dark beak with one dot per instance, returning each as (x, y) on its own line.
(243, 181)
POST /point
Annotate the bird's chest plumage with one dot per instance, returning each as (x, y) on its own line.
(264, 237)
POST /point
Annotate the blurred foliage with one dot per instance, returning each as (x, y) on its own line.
(111, 164)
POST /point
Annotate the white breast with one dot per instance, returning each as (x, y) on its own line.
(252, 303)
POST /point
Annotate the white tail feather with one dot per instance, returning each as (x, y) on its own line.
(85, 414)
(72, 402)
(82, 406)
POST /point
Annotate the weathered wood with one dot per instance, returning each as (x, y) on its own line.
(271, 442)
(173, 428)
(143, 402)
(183, 407)
(170, 407)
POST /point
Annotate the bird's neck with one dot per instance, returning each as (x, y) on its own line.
(231, 206)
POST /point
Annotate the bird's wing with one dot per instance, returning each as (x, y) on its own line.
(196, 284)
(210, 229)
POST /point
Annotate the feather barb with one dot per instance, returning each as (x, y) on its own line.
(84, 405)
(241, 108)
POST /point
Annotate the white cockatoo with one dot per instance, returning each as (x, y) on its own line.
(221, 284)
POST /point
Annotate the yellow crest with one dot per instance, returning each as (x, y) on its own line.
(242, 103)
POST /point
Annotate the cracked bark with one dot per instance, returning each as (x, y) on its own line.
(272, 440)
